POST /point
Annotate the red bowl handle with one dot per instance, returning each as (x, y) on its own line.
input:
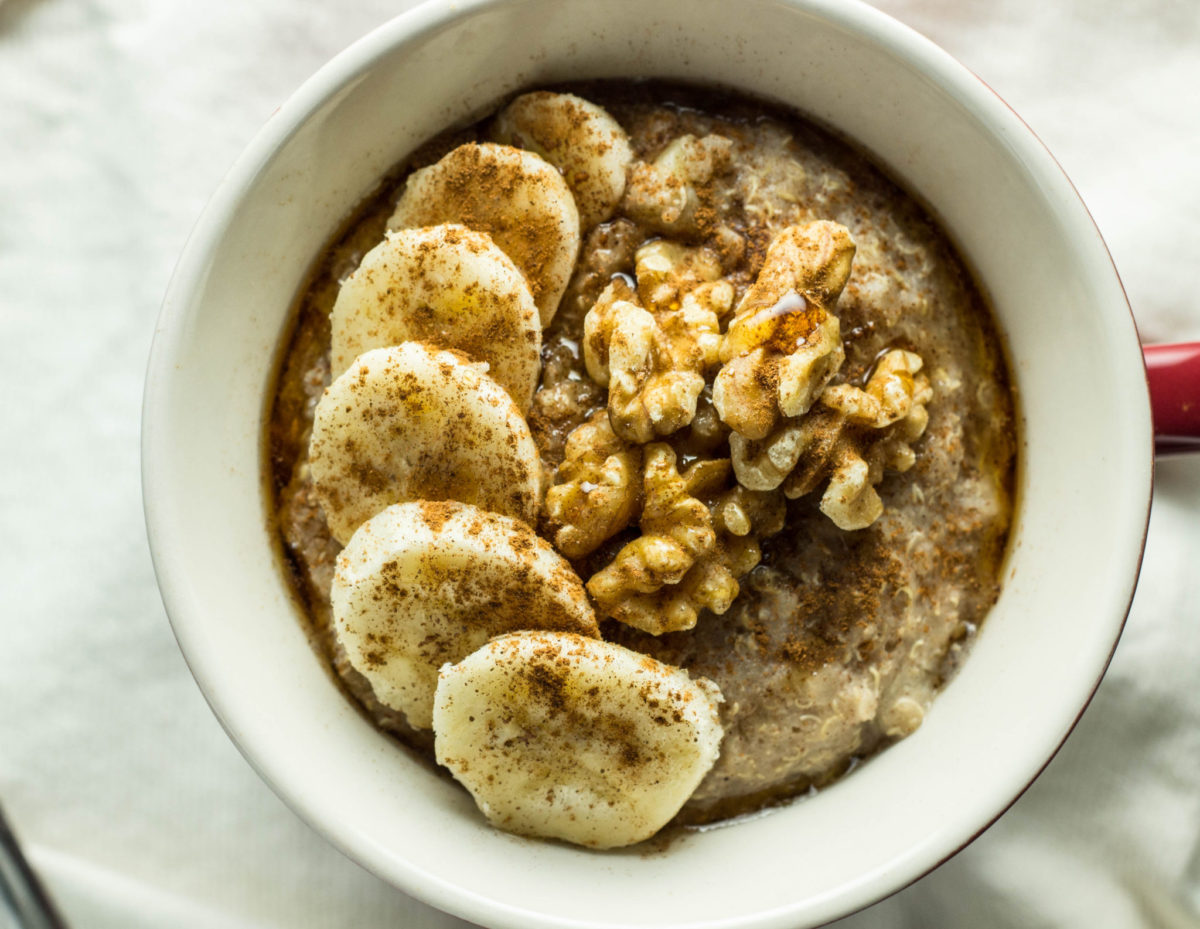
(1174, 375)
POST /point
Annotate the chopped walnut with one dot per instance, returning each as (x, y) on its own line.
(850, 439)
(673, 194)
(654, 360)
(691, 553)
(597, 490)
(784, 344)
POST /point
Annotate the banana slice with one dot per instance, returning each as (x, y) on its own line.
(515, 197)
(422, 584)
(447, 286)
(579, 138)
(566, 737)
(415, 423)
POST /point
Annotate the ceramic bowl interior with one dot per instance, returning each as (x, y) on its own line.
(1084, 486)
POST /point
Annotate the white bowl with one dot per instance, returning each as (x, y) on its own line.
(1084, 482)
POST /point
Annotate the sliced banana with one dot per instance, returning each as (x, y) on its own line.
(416, 423)
(422, 584)
(514, 196)
(447, 286)
(579, 138)
(566, 737)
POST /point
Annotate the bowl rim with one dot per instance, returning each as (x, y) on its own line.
(413, 26)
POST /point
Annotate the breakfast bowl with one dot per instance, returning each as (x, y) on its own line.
(1085, 448)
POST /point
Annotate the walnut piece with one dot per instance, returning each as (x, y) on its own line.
(784, 344)
(894, 389)
(653, 358)
(739, 511)
(691, 553)
(850, 438)
(597, 489)
(674, 193)
(850, 498)
(651, 389)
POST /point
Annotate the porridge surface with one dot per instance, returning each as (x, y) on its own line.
(838, 640)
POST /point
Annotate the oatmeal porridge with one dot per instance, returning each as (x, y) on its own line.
(663, 416)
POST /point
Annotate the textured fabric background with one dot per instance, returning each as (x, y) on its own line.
(117, 119)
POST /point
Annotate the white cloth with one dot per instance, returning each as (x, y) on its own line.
(118, 118)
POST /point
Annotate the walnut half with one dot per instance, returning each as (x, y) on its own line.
(784, 343)
(674, 193)
(597, 489)
(653, 358)
(676, 530)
